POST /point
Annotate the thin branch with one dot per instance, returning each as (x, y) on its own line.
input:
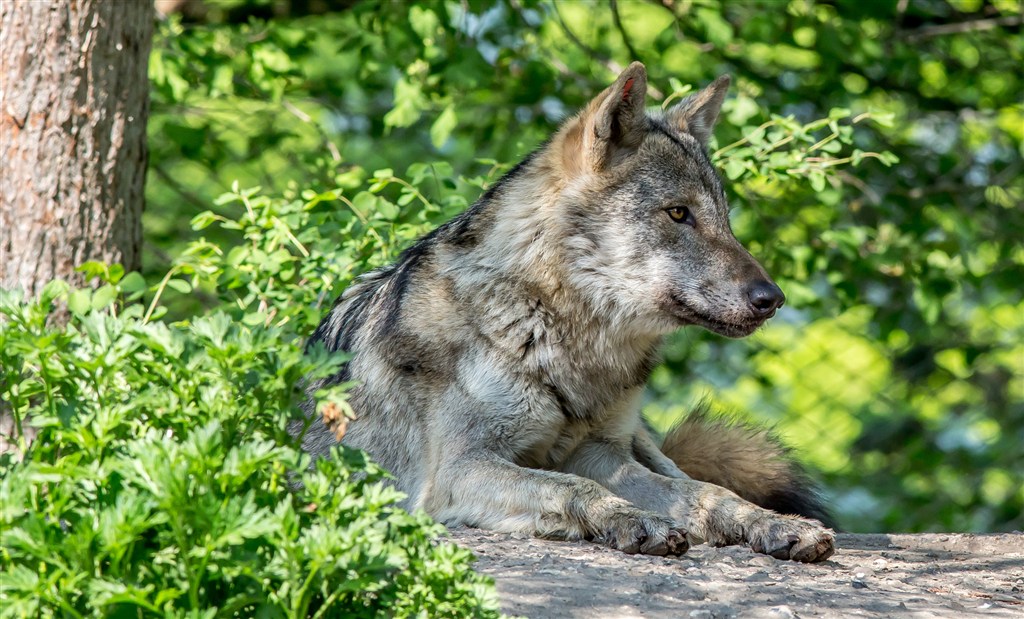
(975, 25)
(597, 56)
(180, 189)
(960, 188)
(901, 9)
(614, 4)
(873, 197)
(608, 63)
(296, 112)
(669, 5)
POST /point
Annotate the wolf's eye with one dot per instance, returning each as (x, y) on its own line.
(682, 215)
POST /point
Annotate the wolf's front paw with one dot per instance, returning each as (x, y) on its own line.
(633, 531)
(789, 537)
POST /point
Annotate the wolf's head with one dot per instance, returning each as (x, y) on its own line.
(647, 220)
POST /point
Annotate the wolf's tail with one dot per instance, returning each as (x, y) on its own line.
(751, 461)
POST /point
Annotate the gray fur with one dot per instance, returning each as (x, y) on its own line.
(502, 358)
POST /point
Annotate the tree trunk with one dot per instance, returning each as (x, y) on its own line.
(73, 109)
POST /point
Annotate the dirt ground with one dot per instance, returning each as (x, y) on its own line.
(915, 576)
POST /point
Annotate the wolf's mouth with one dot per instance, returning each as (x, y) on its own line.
(689, 315)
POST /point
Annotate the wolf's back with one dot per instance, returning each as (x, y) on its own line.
(749, 460)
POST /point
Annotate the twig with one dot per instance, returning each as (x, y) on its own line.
(927, 32)
(614, 5)
(352, 207)
(608, 63)
(597, 56)
(865, 189)
(901, 10)
(288, 105)
(743, 140)
(179, 189)
(306, 118)
(159, 291)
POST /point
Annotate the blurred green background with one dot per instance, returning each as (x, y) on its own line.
(896, 369)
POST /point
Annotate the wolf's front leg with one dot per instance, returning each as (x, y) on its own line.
(483, 490)
(708, 511)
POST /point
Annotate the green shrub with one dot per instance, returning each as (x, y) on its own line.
(162, 480)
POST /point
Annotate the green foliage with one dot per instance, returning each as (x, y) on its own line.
(874, 152)
(162, 480)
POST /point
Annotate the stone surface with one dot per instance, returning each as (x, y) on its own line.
(916, 576)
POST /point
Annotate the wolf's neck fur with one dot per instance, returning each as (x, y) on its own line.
(532, 242)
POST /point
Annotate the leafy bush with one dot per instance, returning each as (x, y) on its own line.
(162, 480)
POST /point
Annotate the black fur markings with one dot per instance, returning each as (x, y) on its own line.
(563, 402)
(515, 172)
(693, 151)
(461, 231)
(799, 497)
(409, 261)
(338, 331)
(464, 230)
(642, 371)
(660, 127)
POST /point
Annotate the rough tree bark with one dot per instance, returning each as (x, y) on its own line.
(74, 98)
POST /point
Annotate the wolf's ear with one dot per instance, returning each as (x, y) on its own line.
(613, 122)
(697, 113)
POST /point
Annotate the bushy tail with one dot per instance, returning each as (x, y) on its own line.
(751, 461)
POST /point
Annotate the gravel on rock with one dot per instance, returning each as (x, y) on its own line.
(916, 576)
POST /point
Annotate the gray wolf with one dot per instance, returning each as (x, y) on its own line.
(501, 360)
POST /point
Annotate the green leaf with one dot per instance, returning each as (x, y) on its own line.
(179, 285)
(443, 126)
(832, 147)
(227, 198)
(386, 210)
(93, 269)
(718, 29)
(80, 301)
(133, 282)
(103, 297)
(254, 318)
(817, 179)
(424, 22)
(409, 104)
(52, 290)
(734, 168)
(204, 219)
(884, 119)
(838, 113)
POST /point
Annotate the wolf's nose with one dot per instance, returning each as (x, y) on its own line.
(765, 297)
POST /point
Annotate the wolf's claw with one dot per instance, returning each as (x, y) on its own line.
(635, 531)
(793, 538)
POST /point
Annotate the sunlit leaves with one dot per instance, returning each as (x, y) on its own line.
(162, 482)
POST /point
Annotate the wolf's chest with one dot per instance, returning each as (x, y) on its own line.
(570, 403)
